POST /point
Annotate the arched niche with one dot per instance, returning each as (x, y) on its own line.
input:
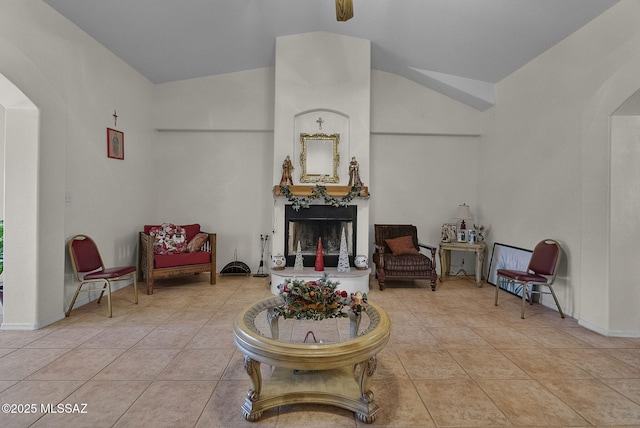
(323, 122)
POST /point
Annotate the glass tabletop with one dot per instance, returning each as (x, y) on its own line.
(261, 320)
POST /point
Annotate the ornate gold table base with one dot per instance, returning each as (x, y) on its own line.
(337, 374)
(334, 387)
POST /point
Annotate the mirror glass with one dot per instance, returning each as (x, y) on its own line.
(319, 158)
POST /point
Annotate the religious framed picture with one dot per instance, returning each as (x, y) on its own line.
(508, 257)
(115, 144)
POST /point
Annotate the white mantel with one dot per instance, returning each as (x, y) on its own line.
(322, 75)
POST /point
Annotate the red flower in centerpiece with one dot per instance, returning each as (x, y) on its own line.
(317, 300)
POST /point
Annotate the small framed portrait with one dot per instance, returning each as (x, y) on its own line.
(462, 235)
(449, 232)
(472, 236)
(115, 144)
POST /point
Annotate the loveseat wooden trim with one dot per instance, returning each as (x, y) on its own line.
(147, 266)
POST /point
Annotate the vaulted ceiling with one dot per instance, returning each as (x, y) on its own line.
(460, 48)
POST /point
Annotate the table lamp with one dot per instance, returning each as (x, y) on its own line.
(463, 213)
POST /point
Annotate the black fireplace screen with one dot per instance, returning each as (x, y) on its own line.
(306, 225)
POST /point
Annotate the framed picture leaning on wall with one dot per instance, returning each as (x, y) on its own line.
(508, 257)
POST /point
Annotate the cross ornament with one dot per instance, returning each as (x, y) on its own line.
(320, 122)
(115, 119)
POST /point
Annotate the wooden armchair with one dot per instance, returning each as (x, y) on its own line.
(397, 256)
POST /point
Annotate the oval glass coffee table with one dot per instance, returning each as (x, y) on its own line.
(334, 370)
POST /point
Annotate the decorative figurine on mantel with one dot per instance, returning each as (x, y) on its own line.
(354, 173)
(287, 170)
(299, 263)
(278, 262)
(319, 266)
(343, 259)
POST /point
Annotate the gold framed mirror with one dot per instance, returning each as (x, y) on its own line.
(319, 158)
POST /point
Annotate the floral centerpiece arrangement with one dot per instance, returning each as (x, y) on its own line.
(317, 300)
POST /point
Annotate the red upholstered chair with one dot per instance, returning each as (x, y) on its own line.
(155, 266)
(540, 273)
(397, 256)
(88, 268)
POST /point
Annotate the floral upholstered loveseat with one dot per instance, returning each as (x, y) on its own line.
(168, 250)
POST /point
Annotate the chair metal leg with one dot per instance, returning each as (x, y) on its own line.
(103, 290)
(556, 300)
(509, 281)
(135, 287)
(73, 301)
(109, 298)
(524, 299)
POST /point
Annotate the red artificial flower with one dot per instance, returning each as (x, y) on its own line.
(344, 293)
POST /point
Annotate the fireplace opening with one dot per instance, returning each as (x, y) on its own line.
(308, 224)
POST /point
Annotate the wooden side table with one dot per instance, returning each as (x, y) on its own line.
(478, 248)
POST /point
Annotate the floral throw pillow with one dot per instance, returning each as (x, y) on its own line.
(196, 242)
(168, 239)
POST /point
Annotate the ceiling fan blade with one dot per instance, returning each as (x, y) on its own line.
(344, 10)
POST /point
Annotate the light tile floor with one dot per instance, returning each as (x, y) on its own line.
(453, 360)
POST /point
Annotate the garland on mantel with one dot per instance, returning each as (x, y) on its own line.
(320, 192)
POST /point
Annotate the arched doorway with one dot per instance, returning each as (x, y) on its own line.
(20, 119)
(609, 296)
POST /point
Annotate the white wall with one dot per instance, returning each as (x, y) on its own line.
(402, 107)
(221, 180)
(424, 151)
(545, 159)
(322, 72)
(421, 180)
(21, 207)
(420, 158)
(625, 205)
(604, 289)
(76, 84)
(241, 101)
(547, 141)
(217, 132)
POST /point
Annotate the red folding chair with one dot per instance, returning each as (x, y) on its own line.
(540, 273)
(89, 268)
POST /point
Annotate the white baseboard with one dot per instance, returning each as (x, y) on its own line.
(608, 333)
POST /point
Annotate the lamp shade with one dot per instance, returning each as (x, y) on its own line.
(464, 213)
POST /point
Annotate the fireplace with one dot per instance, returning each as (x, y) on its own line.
(307, 224)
